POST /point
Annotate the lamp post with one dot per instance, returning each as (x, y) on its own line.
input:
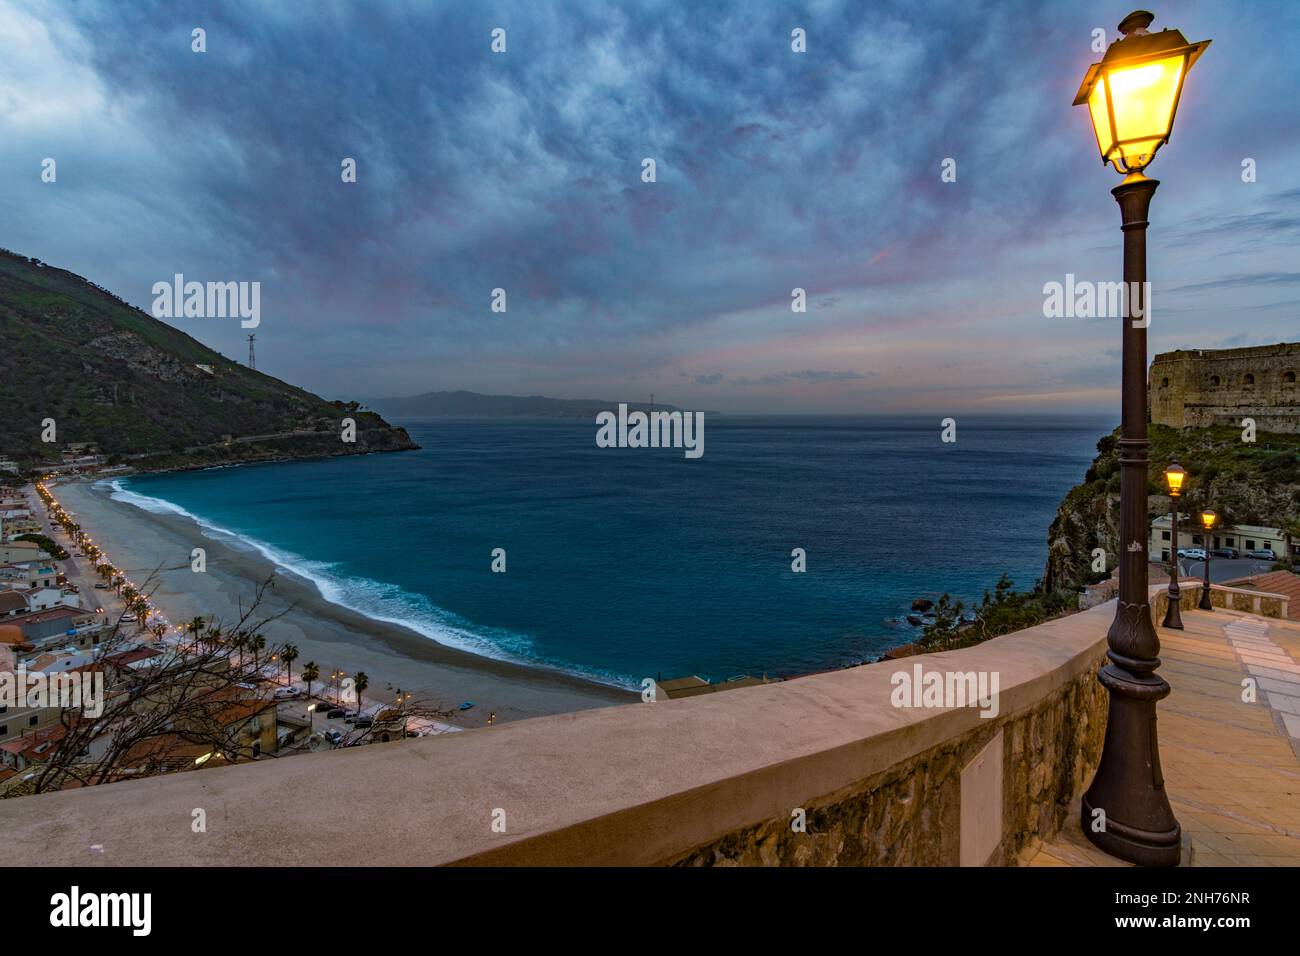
(1208, 518)
(1132, 96)
(1174, 476)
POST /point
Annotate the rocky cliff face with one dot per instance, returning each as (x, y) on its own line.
(1245, 482)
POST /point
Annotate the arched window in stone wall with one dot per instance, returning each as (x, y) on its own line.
(1288, 378)
(1214, 381)
(1164, 383)
(1248, 380)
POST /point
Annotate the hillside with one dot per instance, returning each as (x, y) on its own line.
(1245, 483)
(111, 374)
(473, 405)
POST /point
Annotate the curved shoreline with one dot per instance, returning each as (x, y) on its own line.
(332, 635)
(449, 634)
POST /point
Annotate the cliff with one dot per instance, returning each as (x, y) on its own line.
(1246, 483)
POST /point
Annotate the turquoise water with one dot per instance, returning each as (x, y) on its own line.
(628, 563)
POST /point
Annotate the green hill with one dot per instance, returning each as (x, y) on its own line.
(111, 374)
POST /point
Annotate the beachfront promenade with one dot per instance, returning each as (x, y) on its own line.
(725, 778)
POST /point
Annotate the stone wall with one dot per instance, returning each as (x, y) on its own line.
(1245, 600)
(707, 780)
(910, 814)
(1201, 388)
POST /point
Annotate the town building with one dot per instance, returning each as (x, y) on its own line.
(1242, 537)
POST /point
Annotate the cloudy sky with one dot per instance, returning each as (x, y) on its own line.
(775, 170)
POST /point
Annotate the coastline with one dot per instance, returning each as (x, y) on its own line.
(333, 636)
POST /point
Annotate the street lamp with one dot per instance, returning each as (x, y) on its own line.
(1174, 477)
(1132, 96)
(1208, 518)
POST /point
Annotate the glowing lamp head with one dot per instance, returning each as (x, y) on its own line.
(1132, 94)
(1208, 518)
(1174, 476)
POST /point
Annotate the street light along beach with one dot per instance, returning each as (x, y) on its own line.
(1132, 97)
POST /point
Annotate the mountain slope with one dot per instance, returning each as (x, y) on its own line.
(109, 373)
(473, 405)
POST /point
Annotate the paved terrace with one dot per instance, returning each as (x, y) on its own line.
(1232, 769)
(718, 779)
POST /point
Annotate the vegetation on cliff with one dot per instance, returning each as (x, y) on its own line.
(1002, 612)
(144, 392)
(1245, 482)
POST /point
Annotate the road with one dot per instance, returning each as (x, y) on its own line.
(1224, 569)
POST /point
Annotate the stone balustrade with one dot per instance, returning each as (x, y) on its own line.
(818, 770)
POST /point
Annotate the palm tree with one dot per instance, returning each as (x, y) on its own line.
(257, 643)
(309, 673)
(138, 606)
(360, 683)
(195, 627)
(290, 654)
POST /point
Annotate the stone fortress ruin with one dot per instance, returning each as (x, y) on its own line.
(1201, 387)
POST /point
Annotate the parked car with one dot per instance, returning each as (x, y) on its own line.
(337, 712)
(1226, 553)
(364, 721)
(1193, 554)
(287, 693)
(334, 737)
(1263, 554)
(101, 587)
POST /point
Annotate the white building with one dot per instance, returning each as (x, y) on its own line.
(1242, 537)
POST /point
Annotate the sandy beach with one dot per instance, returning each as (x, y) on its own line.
(144, 544)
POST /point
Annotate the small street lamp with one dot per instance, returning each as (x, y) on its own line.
(1132, 96)
(1208, 519)
(1174, 477)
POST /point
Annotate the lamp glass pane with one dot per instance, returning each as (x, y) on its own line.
(1100, 116)
(1127, 156)
(1143, 98)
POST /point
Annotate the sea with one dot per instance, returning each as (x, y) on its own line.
(627, 563)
